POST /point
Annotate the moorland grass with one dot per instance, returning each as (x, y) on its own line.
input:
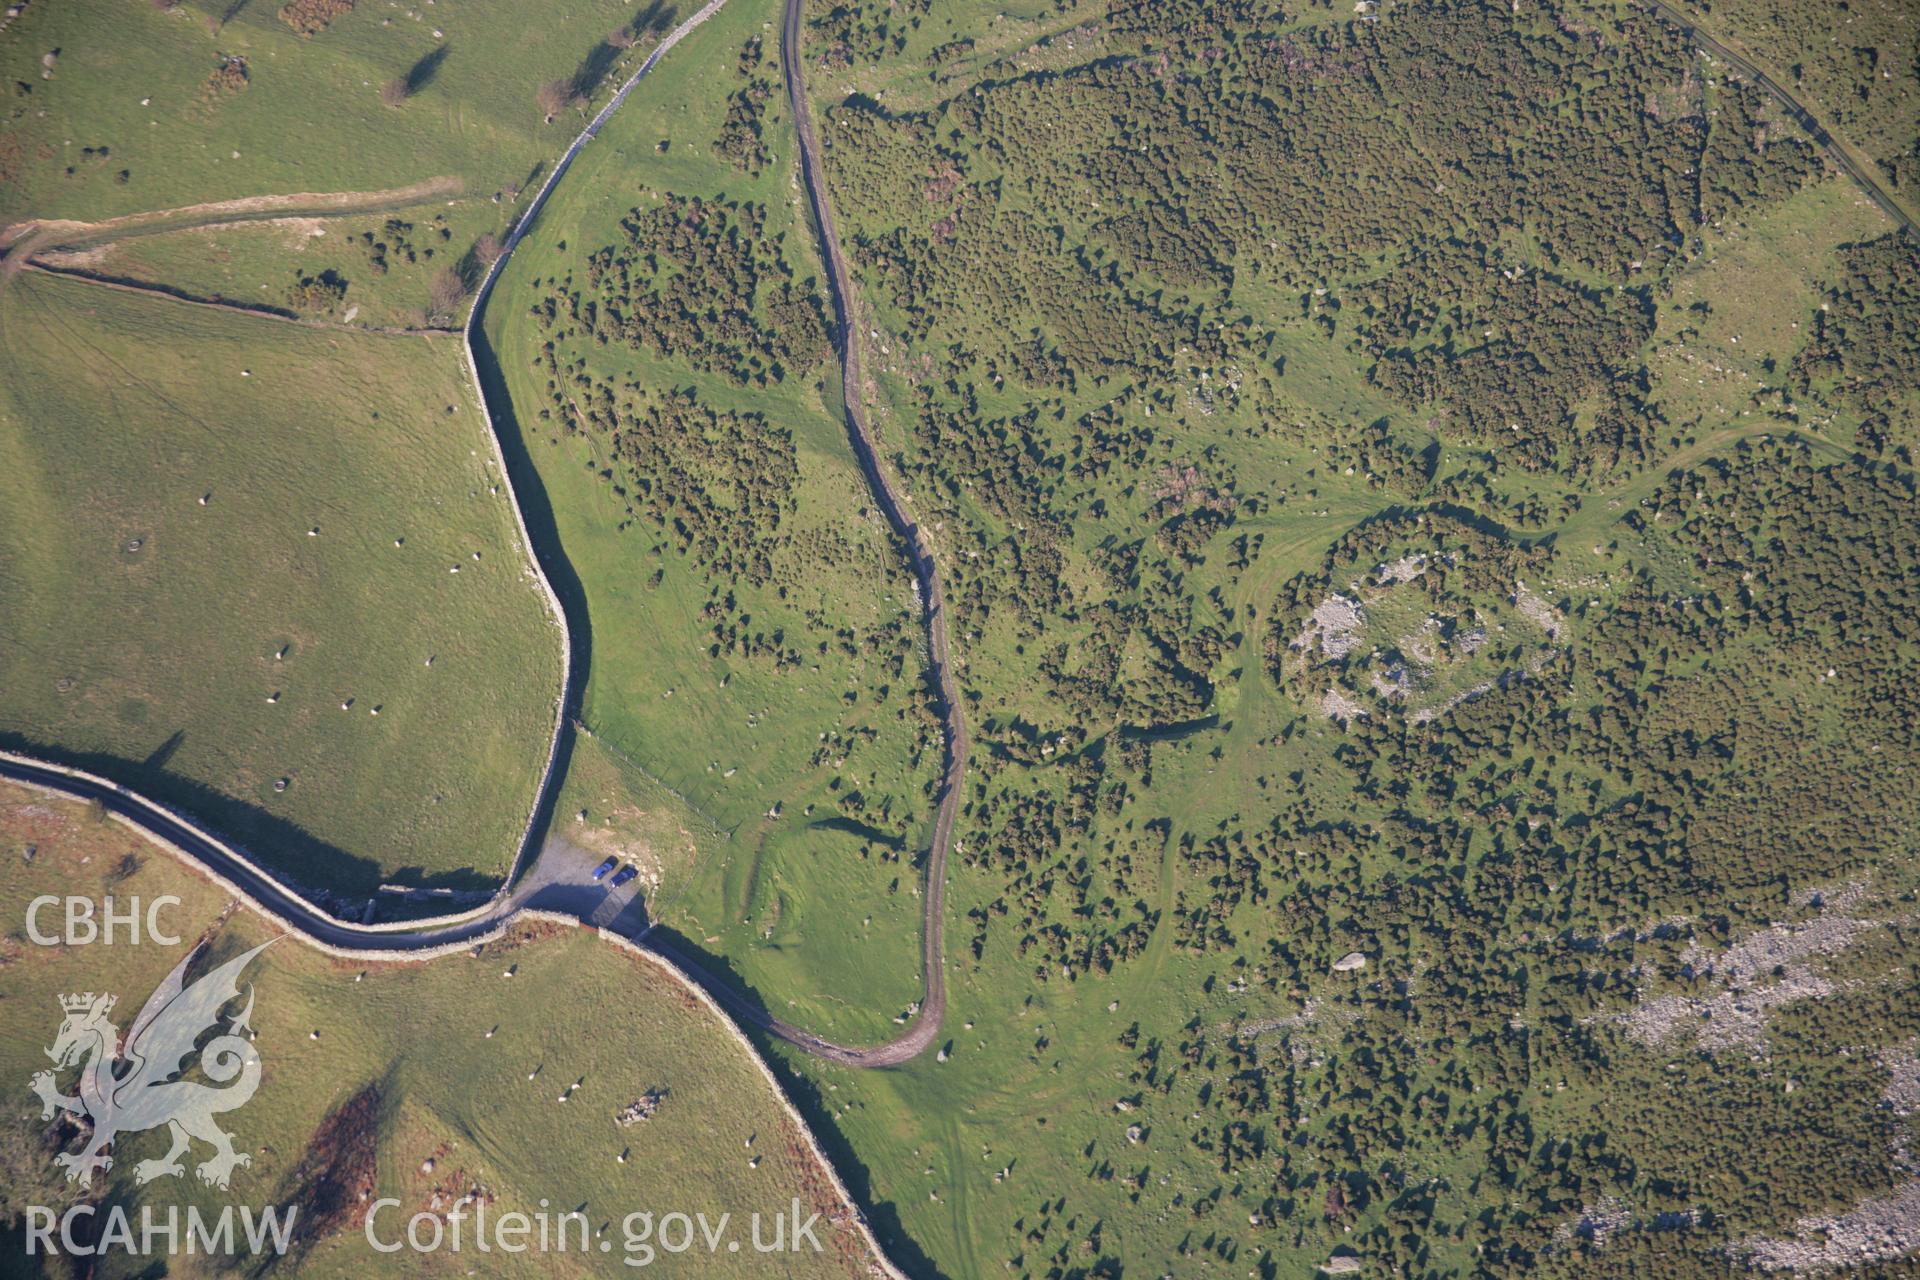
(173, 620)
(128, 92)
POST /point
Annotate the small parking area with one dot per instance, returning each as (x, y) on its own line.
(562, 880)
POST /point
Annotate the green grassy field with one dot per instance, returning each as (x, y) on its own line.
(129, 123)
(128, 92)
(417, 1081)
(805, 775)
(203, 650)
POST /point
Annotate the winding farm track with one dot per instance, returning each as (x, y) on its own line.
(522, 891)
(20, 241)
(933, 1006)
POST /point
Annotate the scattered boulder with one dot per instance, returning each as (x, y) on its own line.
(641, 1108)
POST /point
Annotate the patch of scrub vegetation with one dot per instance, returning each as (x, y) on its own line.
(334, 97)
(756, 651)
(269, 575)
(1864, 354)
(311, 17)
(396, 1081)
(1182, 318)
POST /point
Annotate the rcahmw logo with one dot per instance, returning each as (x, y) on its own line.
(126, 1091)
(163, 1231)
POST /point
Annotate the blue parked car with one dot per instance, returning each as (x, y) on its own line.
(626, 873)
(600, 872)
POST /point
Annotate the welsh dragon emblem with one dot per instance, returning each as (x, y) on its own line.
(125, 1091)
